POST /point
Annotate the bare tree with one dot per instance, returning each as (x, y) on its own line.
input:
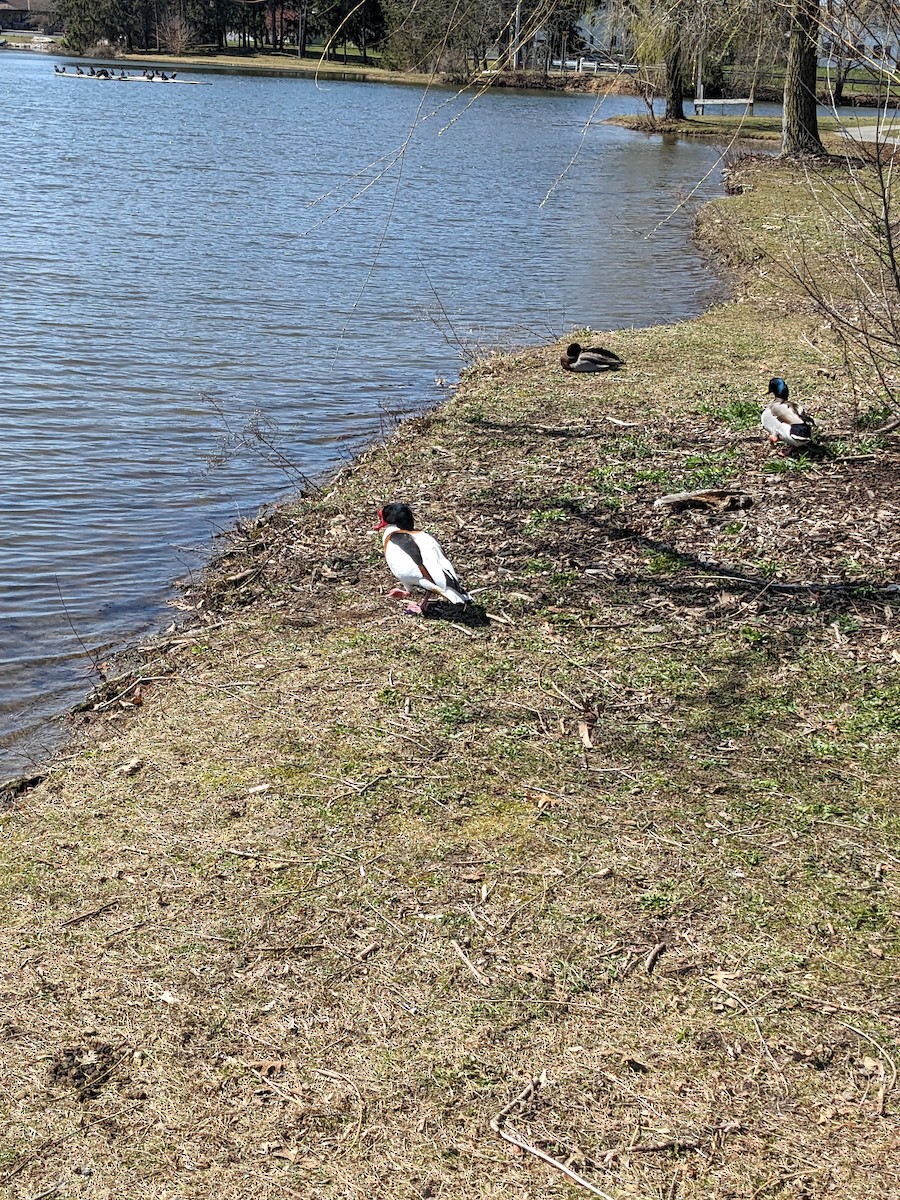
(175, 34)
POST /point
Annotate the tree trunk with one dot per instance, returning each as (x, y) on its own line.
(675, 73)
(840, 79)
(800, 126)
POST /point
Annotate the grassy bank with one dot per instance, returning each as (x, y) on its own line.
(305, 920)
(751, 129)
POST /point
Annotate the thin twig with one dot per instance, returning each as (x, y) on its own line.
(95, 660)
(497, 1125)
(479, 975)
(759, 1033)
(878, 1046)
(95, 912)
(273, 1087)
(48, 1192)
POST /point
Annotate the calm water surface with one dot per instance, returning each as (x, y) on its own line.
(165, 245)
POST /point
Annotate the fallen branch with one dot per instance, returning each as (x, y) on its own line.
(712, 498)
(497, 1125)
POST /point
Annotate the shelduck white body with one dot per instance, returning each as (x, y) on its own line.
(415, 558)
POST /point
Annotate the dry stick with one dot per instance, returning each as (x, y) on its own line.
(513, 1138)
(326, 1074)
(49, 1191)
(273, 1087)
(133, 686)
(124, 929)
(881, 1050)
(693, 1143)
(759, 1033)
(66, 1137)
(480, 976)
(95, 1082)
(650, 961)
(95, 912)
(568, 699)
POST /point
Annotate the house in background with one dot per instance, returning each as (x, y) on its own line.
(604, 33)
(29, 16)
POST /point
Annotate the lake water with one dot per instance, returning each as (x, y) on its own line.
(176, 259)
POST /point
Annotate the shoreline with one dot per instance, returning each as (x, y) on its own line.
(285, 66)
(346, 875)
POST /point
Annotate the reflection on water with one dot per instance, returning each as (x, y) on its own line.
(165, 245)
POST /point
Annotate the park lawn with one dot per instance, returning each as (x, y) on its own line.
(622, 841)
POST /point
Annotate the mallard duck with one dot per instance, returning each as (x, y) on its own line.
(576, 358)
(416, 560)
(786, 421)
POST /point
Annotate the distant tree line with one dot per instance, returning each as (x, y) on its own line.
(179, 26)
(454, 37)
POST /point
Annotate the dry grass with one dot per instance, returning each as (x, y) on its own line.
(310, 917)
(280, 64)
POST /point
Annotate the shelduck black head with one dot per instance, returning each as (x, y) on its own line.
(779, 389)
(396, 514)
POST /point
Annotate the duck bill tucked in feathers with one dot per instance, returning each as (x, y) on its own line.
(598, 358)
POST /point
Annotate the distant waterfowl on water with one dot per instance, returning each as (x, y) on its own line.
(416, 560)
(146, 76)
(784, 420)
(596, 358)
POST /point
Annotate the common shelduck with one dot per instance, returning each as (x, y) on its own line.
(416, 560)
(576, 358)
(786, 421)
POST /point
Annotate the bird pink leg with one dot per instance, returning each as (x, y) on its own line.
(418, 609)
(399, 593)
